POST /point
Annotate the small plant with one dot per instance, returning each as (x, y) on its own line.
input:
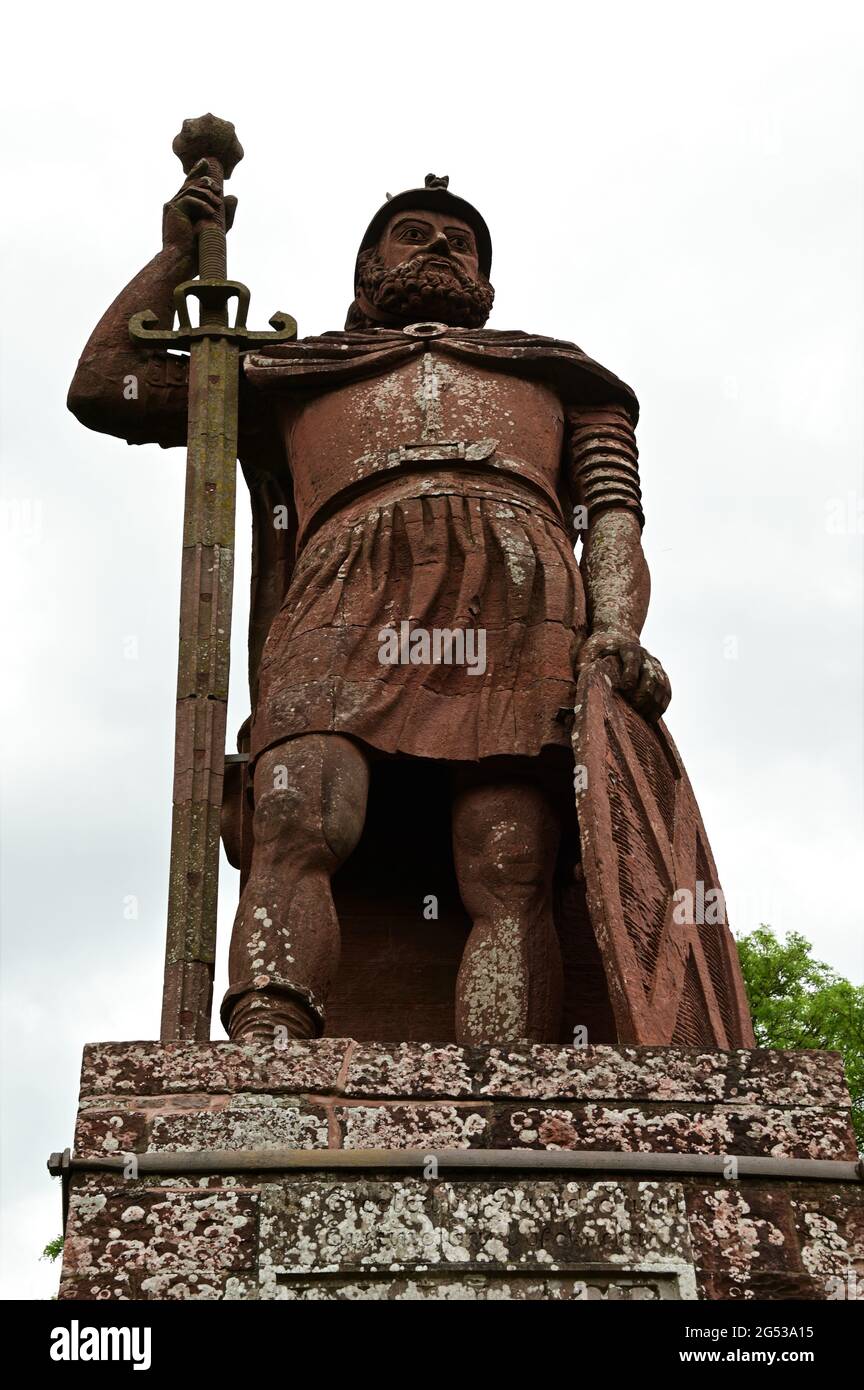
(53, 1250)
(797, 1001)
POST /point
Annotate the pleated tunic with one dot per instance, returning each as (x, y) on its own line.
(491, 561)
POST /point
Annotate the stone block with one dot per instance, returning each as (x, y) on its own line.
(312, 1230)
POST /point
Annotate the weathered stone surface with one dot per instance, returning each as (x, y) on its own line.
(512, 1287)
(409, 1069)
(412, 1126)
(769, 1076)
(214, 1122)
(246, 1122)
(200, 1285)
(742, 1228)
(442, 1287)
(795, 1133)
(662, 1074)
(308, 1235)
(422, 1070)
(118, 1129)
(156, 1068)
(325, 1224)
(767, 1285)
(677, 1129)
(139, 1228)
(831, 1235)
(542, 1223)
(321, 1225)
(119, 1286)
(602, 1073)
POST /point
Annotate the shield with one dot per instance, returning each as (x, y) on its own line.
(653, 893)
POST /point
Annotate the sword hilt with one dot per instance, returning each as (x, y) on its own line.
(214, 140)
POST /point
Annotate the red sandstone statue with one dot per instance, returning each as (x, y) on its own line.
(418, 483)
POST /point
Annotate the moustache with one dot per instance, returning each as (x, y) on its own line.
(432, 261)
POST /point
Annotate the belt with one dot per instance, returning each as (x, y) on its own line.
(382, 467)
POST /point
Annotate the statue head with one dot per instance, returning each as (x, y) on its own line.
(426, 255)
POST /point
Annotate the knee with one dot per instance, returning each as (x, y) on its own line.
(505, 845)
(283, 814)
(310, 800)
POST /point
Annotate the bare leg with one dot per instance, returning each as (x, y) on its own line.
(510, 986)
(310, 806)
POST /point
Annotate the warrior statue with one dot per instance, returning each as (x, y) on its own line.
(419, 487)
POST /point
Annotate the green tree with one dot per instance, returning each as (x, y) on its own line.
(797, 1001)
(53, 1249)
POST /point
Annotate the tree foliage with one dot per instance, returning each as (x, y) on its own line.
(799, 1002)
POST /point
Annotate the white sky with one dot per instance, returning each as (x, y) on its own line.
(677, 188)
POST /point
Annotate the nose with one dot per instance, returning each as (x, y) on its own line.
(440, 246)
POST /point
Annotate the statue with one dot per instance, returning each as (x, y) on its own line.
(418, 484)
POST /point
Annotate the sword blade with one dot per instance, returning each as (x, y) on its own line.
(202, 688)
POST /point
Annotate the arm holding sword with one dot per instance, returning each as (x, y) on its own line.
(134, 391)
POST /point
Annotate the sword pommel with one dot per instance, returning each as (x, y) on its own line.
(208, 137)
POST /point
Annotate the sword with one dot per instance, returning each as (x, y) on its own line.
(214, 346)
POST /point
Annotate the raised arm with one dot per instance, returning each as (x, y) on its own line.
(133, 392)
(605, 479)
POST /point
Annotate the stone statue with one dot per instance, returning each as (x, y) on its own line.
(418, 485)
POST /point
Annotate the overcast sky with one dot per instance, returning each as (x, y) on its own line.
(677, 188)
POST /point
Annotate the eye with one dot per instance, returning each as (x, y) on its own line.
(415, 234)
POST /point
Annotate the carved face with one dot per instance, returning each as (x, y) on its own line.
(433, 235)
(424, 267)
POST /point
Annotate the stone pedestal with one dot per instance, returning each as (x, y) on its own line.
(340, 1170)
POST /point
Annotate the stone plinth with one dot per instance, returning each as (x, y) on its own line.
(180, 1218)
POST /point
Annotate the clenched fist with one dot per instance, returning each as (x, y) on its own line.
(197, 202)
(642, 682)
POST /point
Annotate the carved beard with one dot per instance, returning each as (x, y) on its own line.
(418, 289)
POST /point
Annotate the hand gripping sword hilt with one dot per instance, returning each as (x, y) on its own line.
(214, 140)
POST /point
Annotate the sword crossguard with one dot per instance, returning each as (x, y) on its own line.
(214, 297)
